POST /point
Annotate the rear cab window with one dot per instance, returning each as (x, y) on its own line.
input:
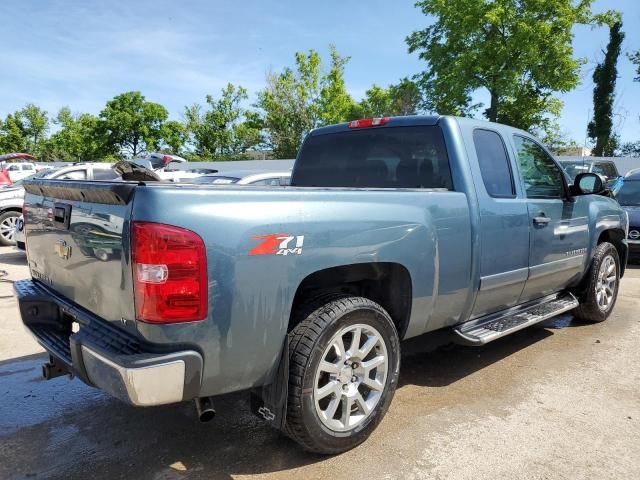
(494, 163)
(384, 157)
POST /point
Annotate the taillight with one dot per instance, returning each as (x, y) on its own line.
(369, 122)
(169, 273)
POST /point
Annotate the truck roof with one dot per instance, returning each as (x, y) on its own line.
(415, 120)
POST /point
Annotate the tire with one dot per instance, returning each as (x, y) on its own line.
(599, 298)
(7, 228)
(316, 419)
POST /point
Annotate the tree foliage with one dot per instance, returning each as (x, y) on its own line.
(635, 59)
(225, 130)
(335, 104)
(557, 141)
(290, 103)
(79, 138)
(400, 99)
(298, 100)
(132, 125)
(519, 52)
(600, 128)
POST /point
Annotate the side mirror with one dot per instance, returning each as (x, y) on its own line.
(589, 183)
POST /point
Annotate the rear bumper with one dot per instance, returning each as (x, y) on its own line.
(105, 356)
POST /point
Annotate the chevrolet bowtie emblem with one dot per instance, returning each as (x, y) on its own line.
(62, 249)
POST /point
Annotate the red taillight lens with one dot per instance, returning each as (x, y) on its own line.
(369, 122)
(169, 273)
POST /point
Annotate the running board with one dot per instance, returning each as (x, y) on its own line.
(487, 329)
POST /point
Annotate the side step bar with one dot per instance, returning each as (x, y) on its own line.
(487, 329)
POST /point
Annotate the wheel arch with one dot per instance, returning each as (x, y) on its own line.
(386, 283)
(616, 237)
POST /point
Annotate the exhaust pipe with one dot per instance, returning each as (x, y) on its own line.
(204, 409)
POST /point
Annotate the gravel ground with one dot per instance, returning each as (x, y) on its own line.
(559, 400)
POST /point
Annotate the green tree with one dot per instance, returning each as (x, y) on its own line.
(302, 98)
(403, 98)
(335, 103)
(556, 140)
(635, 59)
(80, 137)
(12, 137)
(290, 103)
(630, 149)
(35, 127)
(519, 52)
(600, 128)
(174, 136)
(225, 130)
(132, 125)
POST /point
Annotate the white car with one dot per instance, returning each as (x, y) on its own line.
(20, 170)
(264, 178)
(11, 196)
(18, 235)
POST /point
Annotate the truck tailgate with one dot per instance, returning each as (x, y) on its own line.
(77, 237)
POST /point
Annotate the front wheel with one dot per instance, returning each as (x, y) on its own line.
(344, 360)
(603, 281)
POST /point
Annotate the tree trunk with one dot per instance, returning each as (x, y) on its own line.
(492, 113)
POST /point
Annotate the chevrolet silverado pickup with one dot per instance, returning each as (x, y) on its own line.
(301, 295)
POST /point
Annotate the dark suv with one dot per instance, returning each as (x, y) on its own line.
(629, 199)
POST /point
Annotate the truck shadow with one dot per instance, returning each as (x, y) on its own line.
(67, 430)
(13, 258)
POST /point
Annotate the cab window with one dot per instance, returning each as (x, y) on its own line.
(494, 163)
(542, 177)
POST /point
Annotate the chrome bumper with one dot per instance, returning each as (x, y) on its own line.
(158, 383)
(105, 356)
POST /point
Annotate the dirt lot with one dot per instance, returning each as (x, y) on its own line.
(560, 400)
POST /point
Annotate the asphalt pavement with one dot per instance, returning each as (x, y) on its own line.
(560, 400)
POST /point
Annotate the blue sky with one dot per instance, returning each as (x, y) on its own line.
(82, 53)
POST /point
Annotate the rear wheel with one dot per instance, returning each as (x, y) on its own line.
(344, 365)
(603, 281)
(8, 221)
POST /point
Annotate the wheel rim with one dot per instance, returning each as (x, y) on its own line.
(351, 377)
(606, 284)
(8, 228)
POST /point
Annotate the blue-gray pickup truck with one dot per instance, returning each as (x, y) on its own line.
(392, 227)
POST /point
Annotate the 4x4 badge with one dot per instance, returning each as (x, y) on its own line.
(278, 244)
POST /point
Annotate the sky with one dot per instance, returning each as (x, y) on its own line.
(81, 53)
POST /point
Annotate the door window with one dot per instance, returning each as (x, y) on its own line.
(542, 177)
(105, 174)
(73, 175)
(494, 163)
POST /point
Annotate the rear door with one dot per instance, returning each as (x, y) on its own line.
(559, 231)
(77, 237)
(504, 222)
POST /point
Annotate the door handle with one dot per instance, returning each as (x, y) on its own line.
(541, 220)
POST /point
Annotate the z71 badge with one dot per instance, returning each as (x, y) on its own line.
(278, 244)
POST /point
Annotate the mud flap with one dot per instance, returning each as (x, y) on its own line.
(269, 402)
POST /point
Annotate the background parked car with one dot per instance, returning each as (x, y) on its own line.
(605, 168)
(11, 196)
(20, 170)
(629, 198)
(18, 235)
(244, 178)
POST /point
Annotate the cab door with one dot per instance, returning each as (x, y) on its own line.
(558, 225)
(504, 222)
